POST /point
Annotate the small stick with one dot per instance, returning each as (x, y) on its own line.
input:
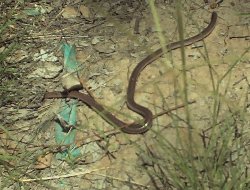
(137, 25)
(232, 37)
(172, 109)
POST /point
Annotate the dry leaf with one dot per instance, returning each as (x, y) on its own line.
(43, 161)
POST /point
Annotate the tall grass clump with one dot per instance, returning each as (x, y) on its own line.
(220, 158)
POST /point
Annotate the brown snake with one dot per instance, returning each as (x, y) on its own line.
(133, 128)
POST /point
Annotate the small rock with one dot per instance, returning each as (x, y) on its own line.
(48, 70)
(91, 152)
(70, 12)
(96, 40)
(84, 11)
(44, 56)
(105, 47)
(71, 82)
(83, 43)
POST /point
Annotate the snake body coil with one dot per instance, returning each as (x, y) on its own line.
(134, 128)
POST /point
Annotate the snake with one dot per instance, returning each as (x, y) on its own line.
(146, 124)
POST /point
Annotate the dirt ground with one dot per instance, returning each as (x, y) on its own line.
(108, 46)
